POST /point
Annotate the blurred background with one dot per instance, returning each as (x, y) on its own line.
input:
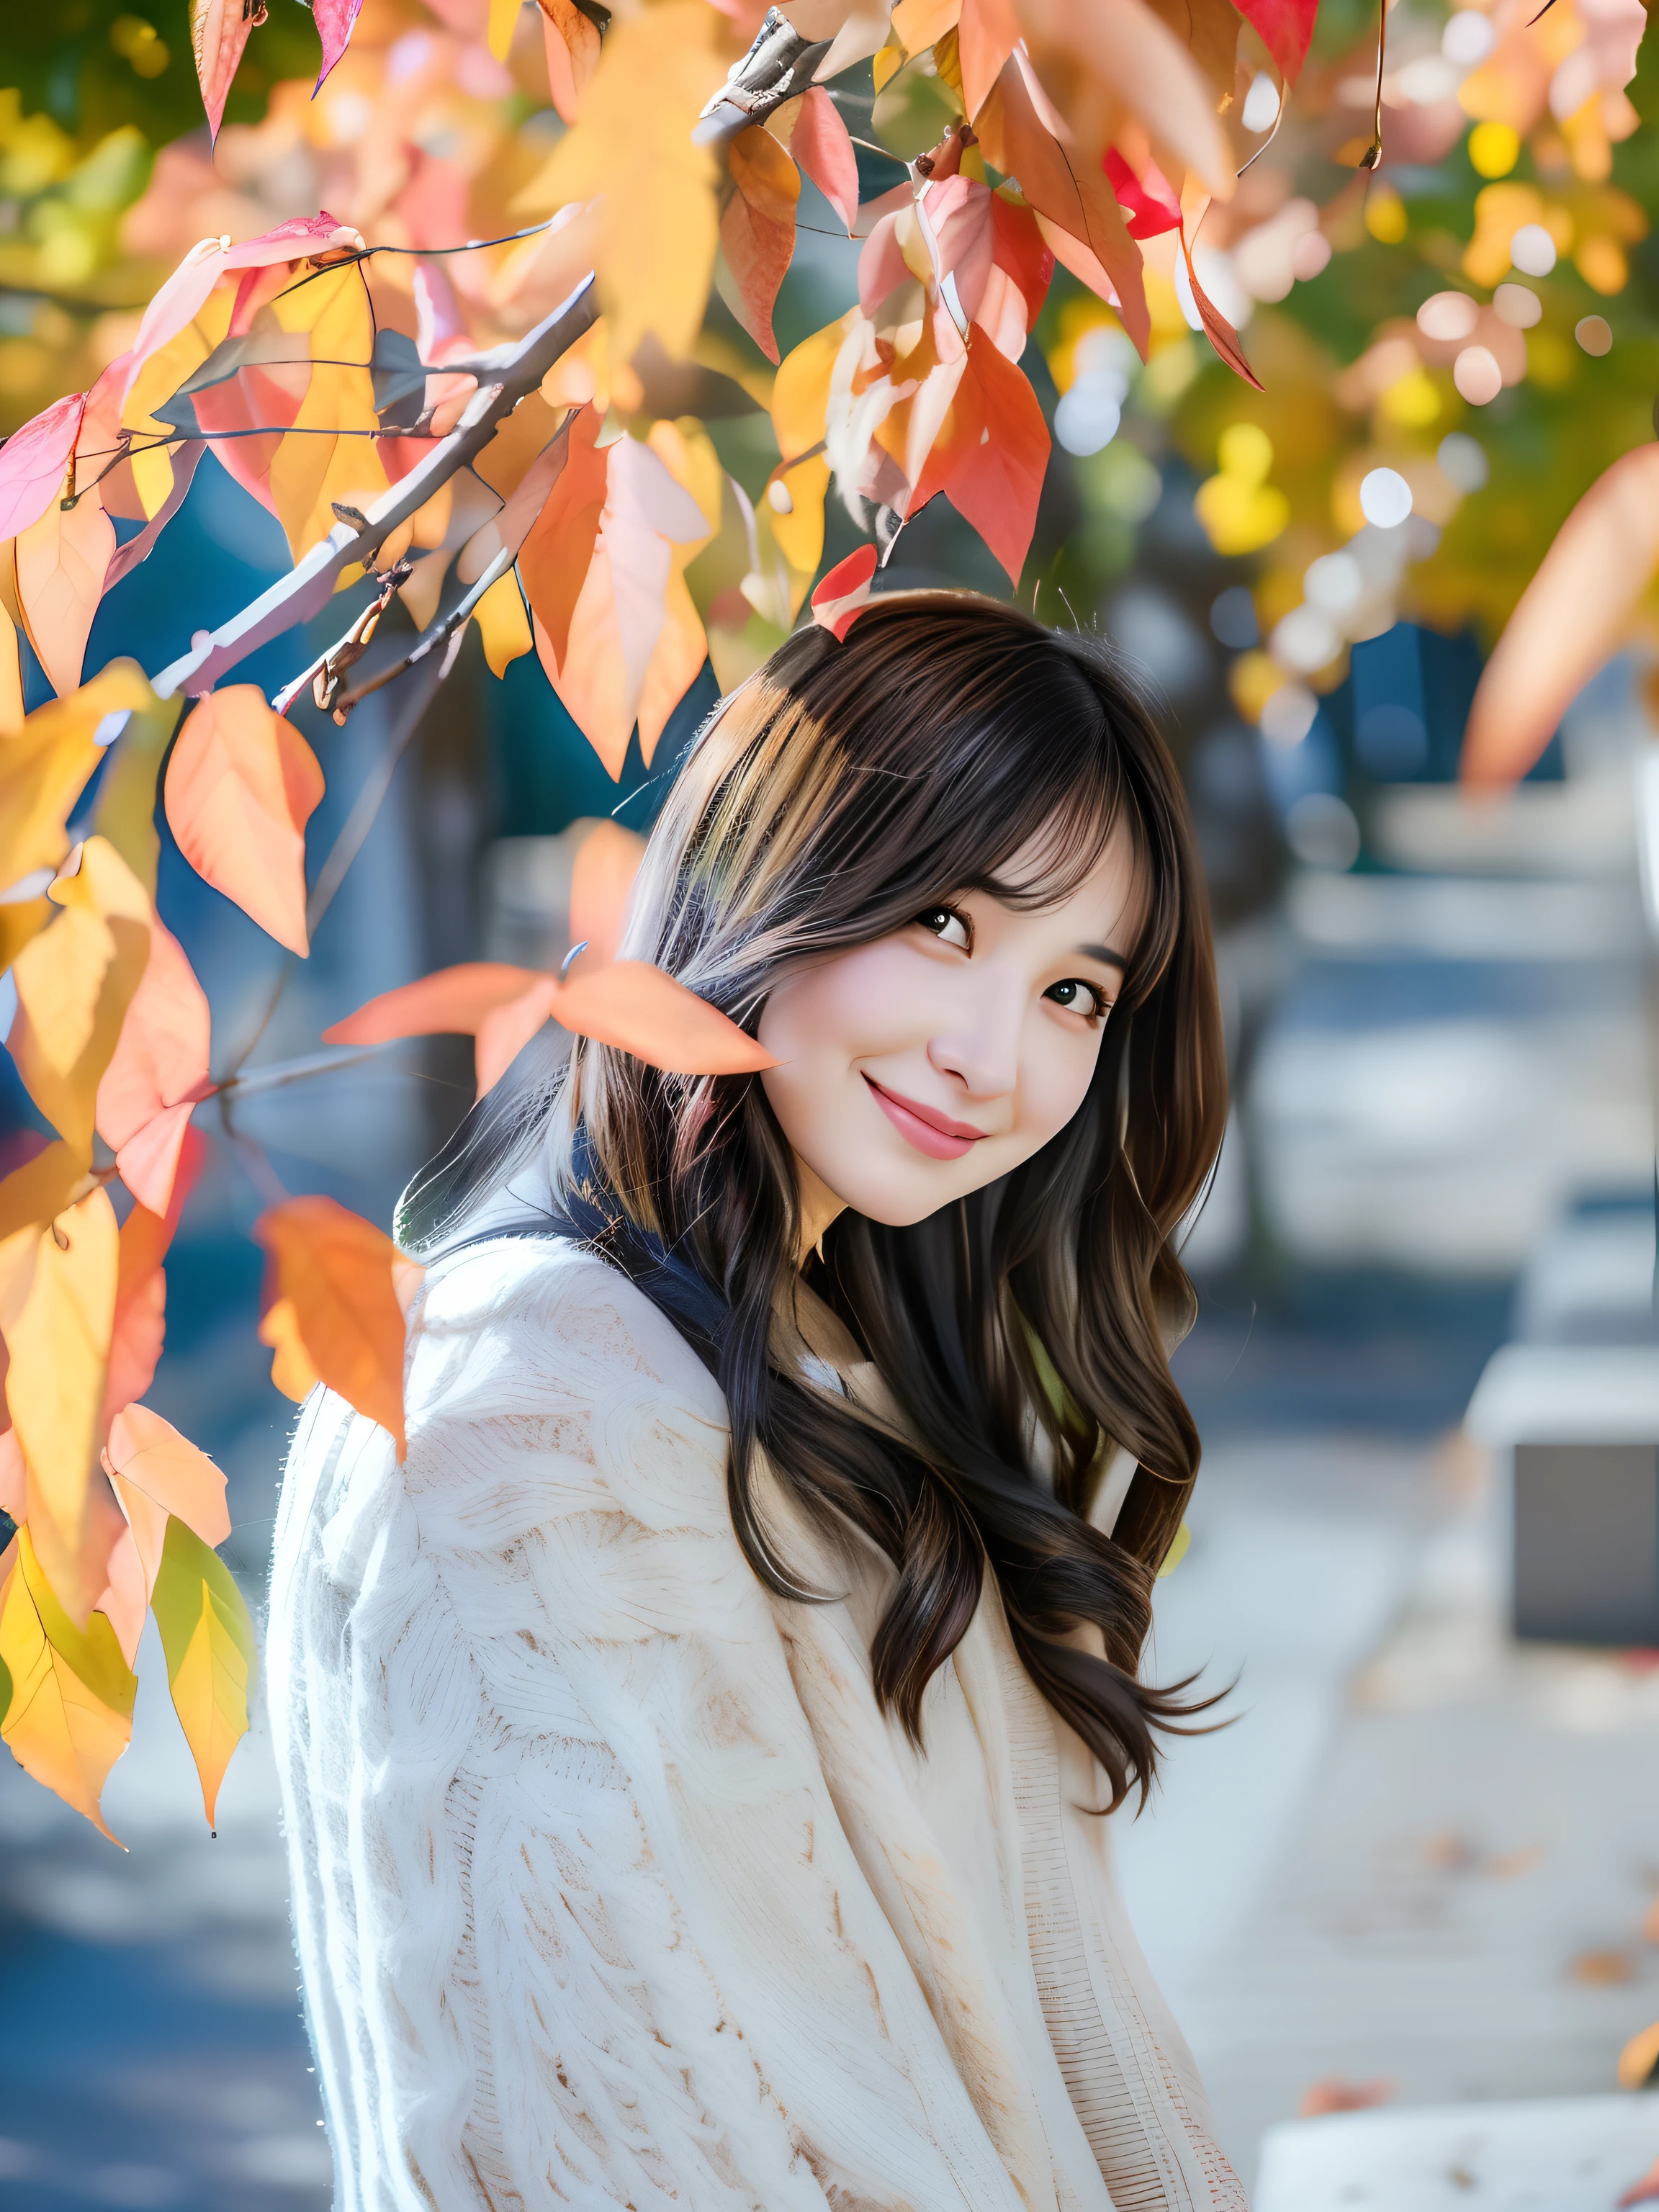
(1420, 1872)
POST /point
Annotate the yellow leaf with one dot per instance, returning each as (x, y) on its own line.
(503, 19)
(126, 796)
(44, 767)
(291, 1369)
(311, 470)
(800, 395)
(70, 1717)
(502, 623)
(75, 982)
(57, 1318)
(208, 1638)
(658, 227)
(799, 531)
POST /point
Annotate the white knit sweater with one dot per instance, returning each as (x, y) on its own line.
(613, 1886)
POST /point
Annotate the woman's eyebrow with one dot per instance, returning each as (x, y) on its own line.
(1104, 954)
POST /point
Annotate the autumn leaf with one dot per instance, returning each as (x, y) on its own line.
(240, 787)
(607, 861)
(555, 557)
(207, 1637)
(991, 458)
(1286, 27)
(45, 766)
(75, 983)
(335, 21)
(70, 1715)
(844, 593)
(157, 1074)
(332, 454)
(634, 149)
(140, 1324)
(1073, 193)
(219, 30)
(63, 558)
(636, 1007)
(125, 813)
(503, 625)
(987, 31)
(619, 612)
(757, 229)
(185, 294)
(1122, 44)
(573, 54)
(341, 1278)
(1572, 616)
(1219, 330)
(820, 144)
(58, 1317)
(33, 462)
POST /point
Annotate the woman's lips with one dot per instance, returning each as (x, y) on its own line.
(931, 1132)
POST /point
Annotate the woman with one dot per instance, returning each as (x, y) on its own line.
(698, 1754)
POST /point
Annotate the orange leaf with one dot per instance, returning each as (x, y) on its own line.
(140, 1326)
(1073, 193)
(504, 1033)
(607, 861)
(75, 983)
(240, 787)
(986, 34)
(70, 1715)
(336, 1271)
(757, 229)
(554, 559)
(1572, 616)
(58, 1319)
(634, 1007)
(291, 1369)
(147, 1454)
(207, 1637)
(1149, 66)
(44, 766)
(1644, 2191)
(1219, 330)
(62, 561)
(991, 458)
(572, 53)
(158, 1073)
(453, 1001)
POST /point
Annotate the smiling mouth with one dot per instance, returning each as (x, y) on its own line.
(934, 1134)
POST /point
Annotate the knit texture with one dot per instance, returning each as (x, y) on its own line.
(613, 1886)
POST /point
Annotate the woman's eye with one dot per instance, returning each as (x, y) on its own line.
(1078, 998)
(950, 928)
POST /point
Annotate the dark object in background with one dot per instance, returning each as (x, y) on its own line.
(1587, 1543)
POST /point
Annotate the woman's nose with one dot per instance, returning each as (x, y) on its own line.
(980, 1045)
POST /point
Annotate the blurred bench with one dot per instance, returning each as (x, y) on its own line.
(1550, 2155)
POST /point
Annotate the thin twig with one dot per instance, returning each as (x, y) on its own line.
(281, 1072)
(514, 371)
(431, 639)
(367, 804)
(1373, 154)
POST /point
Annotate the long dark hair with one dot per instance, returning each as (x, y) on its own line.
(1024, 1331)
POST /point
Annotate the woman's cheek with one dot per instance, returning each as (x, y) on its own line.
(1059, 1066)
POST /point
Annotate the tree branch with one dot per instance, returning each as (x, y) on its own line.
(506, 374)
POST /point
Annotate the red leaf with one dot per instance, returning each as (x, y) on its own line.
(219, 30)
(158, 1073)
(241, 785)
(335, 21)
(819, 141)
(1153, 206)
(757, 229)
(1018, 248)
(554, 560)
(1219, 330)
(1286, 27)
(992, 454)
(845, 592)
(33, 461)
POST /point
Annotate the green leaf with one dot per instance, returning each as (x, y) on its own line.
(207, 1635)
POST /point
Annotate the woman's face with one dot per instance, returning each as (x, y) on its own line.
(925, 1066)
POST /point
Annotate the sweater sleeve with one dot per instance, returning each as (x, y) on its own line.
(577, 1920)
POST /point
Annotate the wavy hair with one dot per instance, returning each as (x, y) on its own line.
(1023, 1331)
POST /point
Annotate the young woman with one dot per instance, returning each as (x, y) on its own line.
(698, 1753)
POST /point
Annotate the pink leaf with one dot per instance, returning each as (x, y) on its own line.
(1286, 27)
(334, 20)
(607, 861)
(33, 461)
(148, 1454)
(820, 144)
(181, 298)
